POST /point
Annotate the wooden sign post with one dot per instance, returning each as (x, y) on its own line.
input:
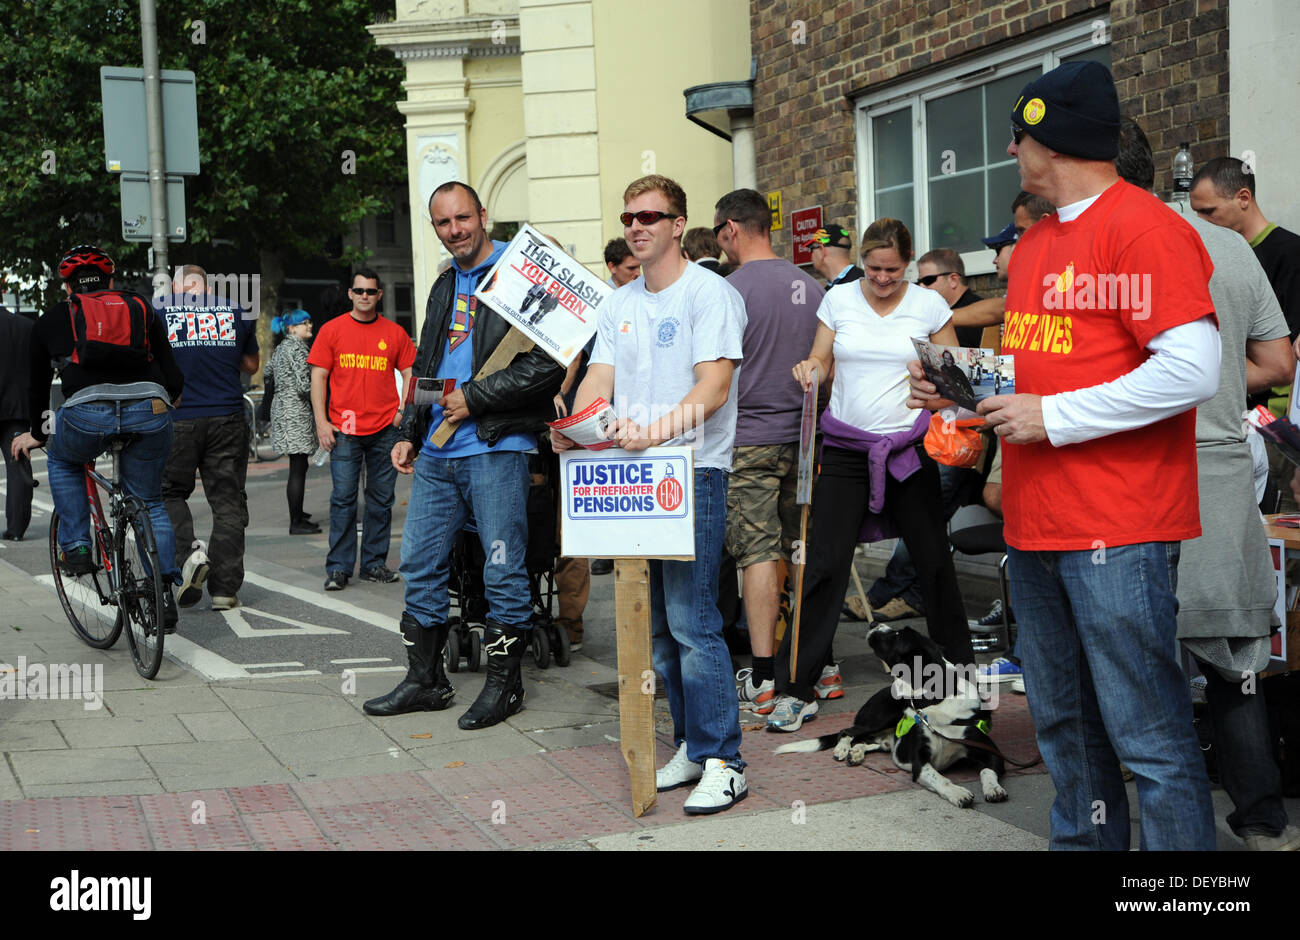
(803, 497)
(636, 679)
(631, 507)
(511, 345)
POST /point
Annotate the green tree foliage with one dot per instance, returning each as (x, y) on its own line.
(286, 90)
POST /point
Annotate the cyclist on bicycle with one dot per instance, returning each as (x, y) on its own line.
(115, 395)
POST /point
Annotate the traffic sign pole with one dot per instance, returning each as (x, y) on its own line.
(154, 133)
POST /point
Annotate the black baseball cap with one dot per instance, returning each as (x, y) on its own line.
(832, 236)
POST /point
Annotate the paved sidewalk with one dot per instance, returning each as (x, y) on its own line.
(295, 764)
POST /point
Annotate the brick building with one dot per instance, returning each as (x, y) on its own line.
(900, 107)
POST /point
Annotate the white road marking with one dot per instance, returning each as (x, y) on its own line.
(242, 629)
(268, 665)
(347, 662)
(361, 669)
(326, 603)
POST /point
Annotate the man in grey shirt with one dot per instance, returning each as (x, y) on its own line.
(762, 519)
(1225, 610)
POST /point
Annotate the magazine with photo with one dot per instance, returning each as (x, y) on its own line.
(427, 390)
(966, 374)
(545, 294)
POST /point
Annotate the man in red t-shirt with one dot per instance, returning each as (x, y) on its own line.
(1115, 341)
(354, 356)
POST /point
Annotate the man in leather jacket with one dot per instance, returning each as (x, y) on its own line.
(481, 473)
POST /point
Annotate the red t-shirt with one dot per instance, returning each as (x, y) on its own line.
(361, 358)
(1083, 300)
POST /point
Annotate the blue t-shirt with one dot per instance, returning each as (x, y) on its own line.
(208, 339)
(457, 363)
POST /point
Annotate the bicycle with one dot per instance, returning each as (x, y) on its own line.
(127, 573)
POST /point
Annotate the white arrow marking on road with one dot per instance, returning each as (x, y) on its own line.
(241, 628)
(311, 597)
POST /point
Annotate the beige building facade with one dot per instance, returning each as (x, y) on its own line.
(548, 108)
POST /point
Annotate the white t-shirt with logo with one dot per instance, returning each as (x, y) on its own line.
(655, 340)
(872, 352)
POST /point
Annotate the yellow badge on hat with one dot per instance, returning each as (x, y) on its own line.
(1034, 111)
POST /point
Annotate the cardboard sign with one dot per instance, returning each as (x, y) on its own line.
(807, 436)
(628, 504)
(545, 294)
(803, 223)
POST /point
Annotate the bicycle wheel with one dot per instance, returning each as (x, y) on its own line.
(141, 595)
(86, 599)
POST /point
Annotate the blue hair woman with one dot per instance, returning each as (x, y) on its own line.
(293, 429)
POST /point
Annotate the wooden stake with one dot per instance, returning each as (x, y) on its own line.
(511, 345)
(636, 679)
(798, 590)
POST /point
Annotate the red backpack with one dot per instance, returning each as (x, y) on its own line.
(110, 329)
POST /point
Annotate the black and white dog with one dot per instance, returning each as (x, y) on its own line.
(923, 718)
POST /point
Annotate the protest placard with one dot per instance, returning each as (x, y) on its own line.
(545, 294)
(628, 504)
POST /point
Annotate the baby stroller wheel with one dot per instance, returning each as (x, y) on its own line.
(475, 654)
(541, 648)
(561, 650)
(453, 648)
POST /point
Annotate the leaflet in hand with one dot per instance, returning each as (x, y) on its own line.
(588, 428)
(427, 390)
(964, 374)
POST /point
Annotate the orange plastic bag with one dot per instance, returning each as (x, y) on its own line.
(955, 443)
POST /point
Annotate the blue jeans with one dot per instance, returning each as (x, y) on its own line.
(1097, 638)
(491, 489)
(381, 477)
(690, 655)
(78, 438)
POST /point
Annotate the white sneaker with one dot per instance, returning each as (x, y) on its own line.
(224, 602)
(193, 573)
(1018, 684)
(678, 772)
(721, 788)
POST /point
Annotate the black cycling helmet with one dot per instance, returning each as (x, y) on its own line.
(85, 256)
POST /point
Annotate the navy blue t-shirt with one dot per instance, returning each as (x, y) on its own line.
(208, 340)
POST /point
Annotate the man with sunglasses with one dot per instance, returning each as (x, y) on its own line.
(668, 347)
(479, 475)
(354, 356)
(1114, 332)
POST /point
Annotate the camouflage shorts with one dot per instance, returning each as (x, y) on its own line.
(762, 517)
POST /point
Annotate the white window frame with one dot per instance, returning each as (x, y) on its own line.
(1046, 50)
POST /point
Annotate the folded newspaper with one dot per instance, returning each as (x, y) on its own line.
(964, 374)
(590, 426)
(1284, 435)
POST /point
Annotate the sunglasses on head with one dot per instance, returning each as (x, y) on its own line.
(646, 217)
(368, 291)
(931, 278)
(1017, 133)
(719, 227)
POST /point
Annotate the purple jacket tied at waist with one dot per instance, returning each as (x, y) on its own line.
(888, 453)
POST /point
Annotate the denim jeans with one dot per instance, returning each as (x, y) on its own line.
(381, 477)
(1097, 638)
(690, 654)
(1239, 721)
(78, 438)
(492, 490)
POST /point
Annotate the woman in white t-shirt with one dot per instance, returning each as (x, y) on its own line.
(865, 336)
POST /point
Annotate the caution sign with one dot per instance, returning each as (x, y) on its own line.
(628, 504)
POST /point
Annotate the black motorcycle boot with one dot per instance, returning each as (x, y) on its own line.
(425, 688)
(503, 691)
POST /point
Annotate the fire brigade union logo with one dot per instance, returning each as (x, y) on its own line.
(1034, 111)
(667, 333)
(669, 492)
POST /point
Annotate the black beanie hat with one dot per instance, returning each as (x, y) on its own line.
(1073, 109)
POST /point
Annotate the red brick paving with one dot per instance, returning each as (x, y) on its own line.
(571, 794)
